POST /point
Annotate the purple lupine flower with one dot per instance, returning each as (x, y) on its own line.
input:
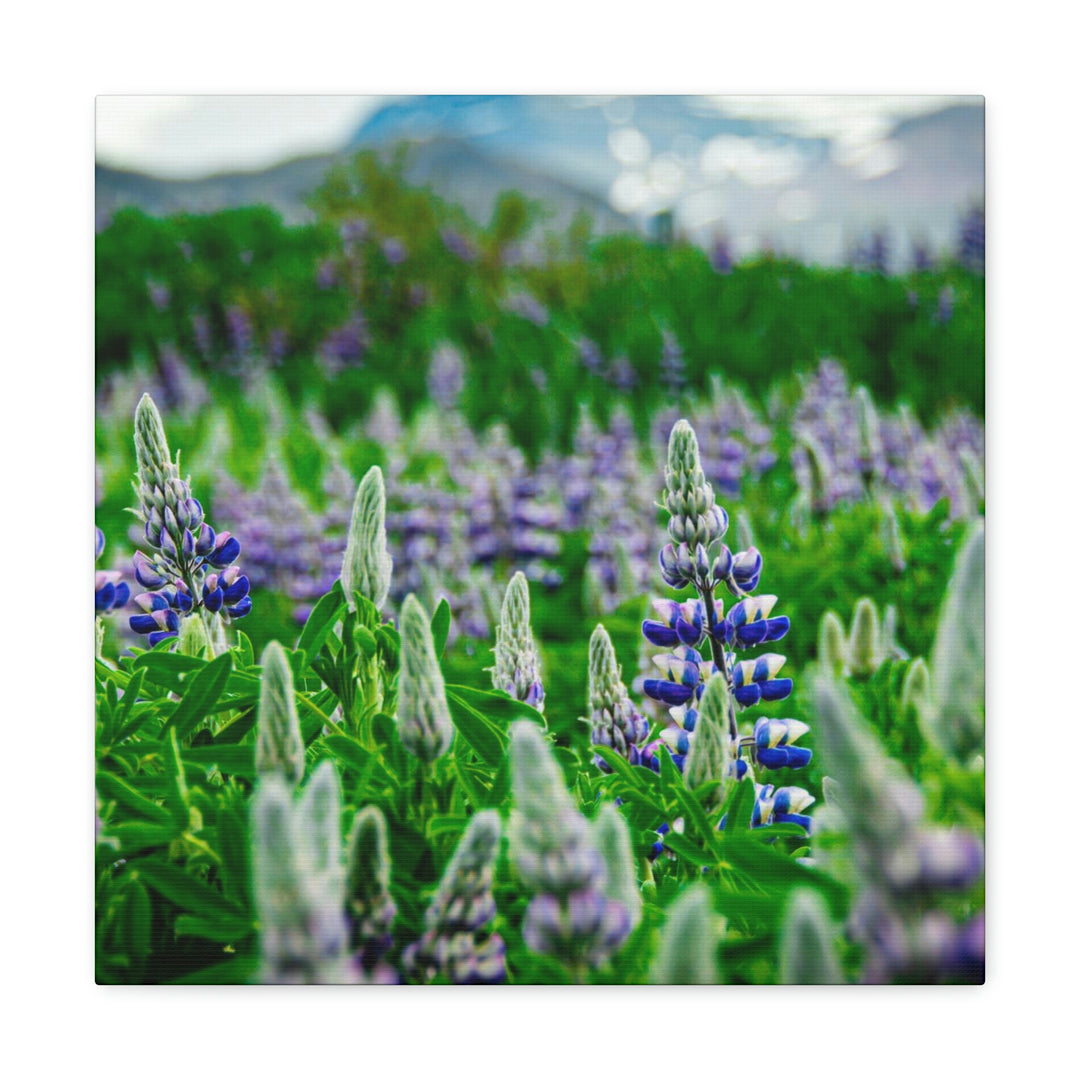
(446, 376)
(672, 366)
(971, 250)
(527, 306)
(720, 257)
(394, 251)
(160, 295)
(458, 244)
(184, 568)
(111, 593)
(345, 346)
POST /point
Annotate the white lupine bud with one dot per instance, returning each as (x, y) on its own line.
(279, 746)
(423, 715)
(299, 880)
(832, 645)
(710, 754)
(549, 837)
(958, 661)
(688, 943)
(864, 645)
(613, 839)
(367, 566)
(881, 805)
(807, 954)
(517, 667)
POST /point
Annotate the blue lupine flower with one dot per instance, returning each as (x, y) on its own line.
(110, 592)
(748, 622)
(773, 741)
(190, 567)
(755, 680)
(780, 805)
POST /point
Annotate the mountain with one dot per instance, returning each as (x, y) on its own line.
(810, 183)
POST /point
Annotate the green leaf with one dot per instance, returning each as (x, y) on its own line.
(740, 808)
(440, 626)
(189, 894)
(686, 849)
(621, 767)
(202, 694)
(498, 705)
(366, 642)
(225, 929)
(484, 736)
(245, 650)
(131, 836)
(230, 758)
(348, 751)
(236, 972)
(321, 621)
(168, 669)
(112, 788)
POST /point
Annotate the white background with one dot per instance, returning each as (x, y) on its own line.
(58, 59)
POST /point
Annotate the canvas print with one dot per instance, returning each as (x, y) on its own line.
(539, 540)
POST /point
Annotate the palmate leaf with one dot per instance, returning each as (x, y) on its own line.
(484, 735)
(321, 622)
(200, 696)
(440, 626)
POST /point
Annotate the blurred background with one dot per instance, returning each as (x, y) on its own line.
(813, 177)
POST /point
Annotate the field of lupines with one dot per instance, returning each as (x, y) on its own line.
(449, 651)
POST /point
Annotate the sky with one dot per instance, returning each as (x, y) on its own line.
(188, 137)
(194, 136)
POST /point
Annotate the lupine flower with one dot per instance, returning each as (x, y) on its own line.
(710, 755)
(423, 716)
(957, 664)
(458, 942)
(755, 680)
(299, 881)
(110, 592)
(807, 954)
(899, 862)
(688, 942)
(613, 719)
(367, 566)
(864, 651)
(832, 645)
(371, 908)
(446, 376)
(572, 915)
(517, 667)
(672, 366)
(971, 250)
(190, 568)
(697, 523)
(774, 744)
(783, 804)
(279, 747)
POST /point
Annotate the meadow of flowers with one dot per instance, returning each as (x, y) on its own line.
(498, 610)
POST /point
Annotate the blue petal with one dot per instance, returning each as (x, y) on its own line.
(214, 599)
(143, 624)
(659, 634)
(687, 633)
(241, 609)
(778, 627)
(797, 819)
(748, 695)
(221, 557)
(122, 595)
(237, 590)
(160, 635)
(668, 692)
(775, 689)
